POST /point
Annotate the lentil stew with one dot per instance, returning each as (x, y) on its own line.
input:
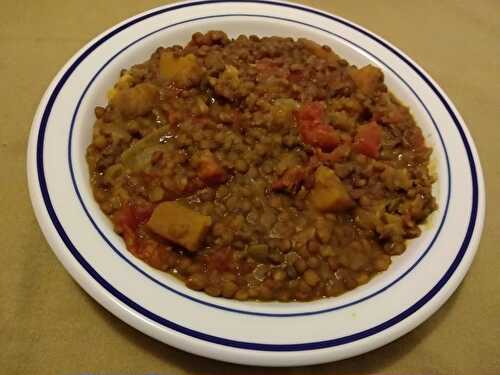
(260, 168)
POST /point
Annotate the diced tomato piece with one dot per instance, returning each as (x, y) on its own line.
(311, 112)
(210, 171)
(290, 180)
(313, 129)
(320, 135)
(368, 139)
(132, 216)
(128, 219)
(124, 216)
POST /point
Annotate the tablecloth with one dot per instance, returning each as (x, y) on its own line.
(49, 325)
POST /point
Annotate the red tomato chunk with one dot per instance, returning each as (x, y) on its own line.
(368, 140)
(313, 128)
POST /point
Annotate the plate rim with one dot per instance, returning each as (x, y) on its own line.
(54, 240)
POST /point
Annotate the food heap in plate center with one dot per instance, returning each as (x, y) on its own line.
(260, 168)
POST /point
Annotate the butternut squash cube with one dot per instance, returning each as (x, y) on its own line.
(179, 224)
(368, 79)
(329, 194)
(184, 71)
(135, 101)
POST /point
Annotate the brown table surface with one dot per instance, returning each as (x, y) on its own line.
(48, 325)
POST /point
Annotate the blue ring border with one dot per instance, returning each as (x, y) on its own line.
(219, 340)
(213, 305)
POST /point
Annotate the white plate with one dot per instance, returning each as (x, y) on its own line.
(272, 334)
